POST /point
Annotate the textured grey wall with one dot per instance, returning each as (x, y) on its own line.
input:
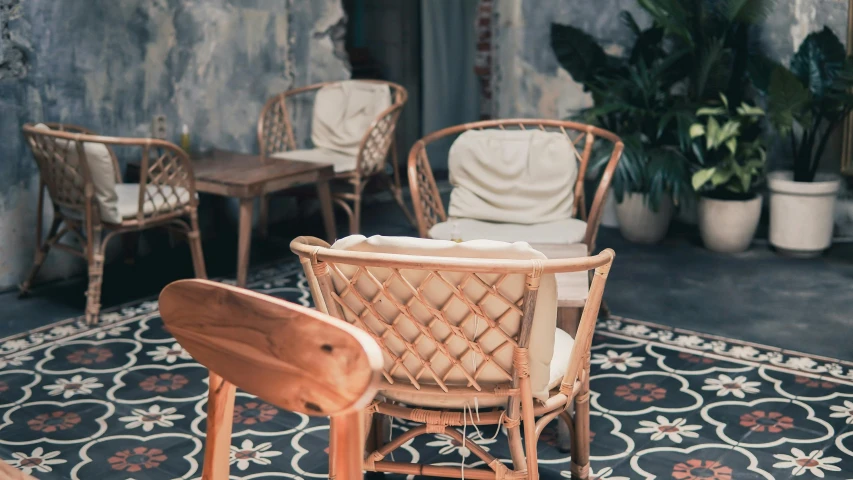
(111, 65)
(530, 82)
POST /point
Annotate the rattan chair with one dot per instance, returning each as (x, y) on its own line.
(440, 345)
(276, 134)
(164, 197)
(429, 207)
(290, 356)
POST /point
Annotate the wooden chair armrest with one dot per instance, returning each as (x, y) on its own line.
(429, 208)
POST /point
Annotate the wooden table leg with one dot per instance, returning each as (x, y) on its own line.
(244, 240)
(568, 319)
(325, 195)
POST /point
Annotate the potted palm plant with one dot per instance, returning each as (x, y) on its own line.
(806, 103)
(632, 98)
(731, 166)
(693, 50)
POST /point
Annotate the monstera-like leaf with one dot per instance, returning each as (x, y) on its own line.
(579, 53)
(819, 61)
(789, 100)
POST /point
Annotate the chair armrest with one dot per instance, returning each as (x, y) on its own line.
(429, 208)
(594, 219)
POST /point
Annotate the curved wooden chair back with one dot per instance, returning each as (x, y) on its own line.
(291, 356)
(429, 208)
(276, 132)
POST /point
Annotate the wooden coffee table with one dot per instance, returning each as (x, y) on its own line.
(248, 177)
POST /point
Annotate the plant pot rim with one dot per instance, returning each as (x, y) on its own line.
(754, 197)
(824, 184)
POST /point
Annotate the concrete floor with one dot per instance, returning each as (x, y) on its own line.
(757, 296)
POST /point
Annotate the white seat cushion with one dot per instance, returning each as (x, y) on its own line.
(568, 231)
(102, 170)
(163, 200)
(563, 344)
(342, 162)
(440, 296)
(524, 176)
(343, 113)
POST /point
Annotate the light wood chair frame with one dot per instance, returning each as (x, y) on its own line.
(276, 134)
(429, 208)
(286, 354)
(164, 166)
(321, 264)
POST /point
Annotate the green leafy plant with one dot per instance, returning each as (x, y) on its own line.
(729, 151)
(715, 36)
(809, 100)
(632, 97)
(692, 51)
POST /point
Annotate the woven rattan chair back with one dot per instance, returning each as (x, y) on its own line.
(293, 357)
(276, 132)
(429, 208)
(166, 197)
(428, 342)
(166, 184)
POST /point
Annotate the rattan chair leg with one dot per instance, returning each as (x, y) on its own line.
(353, 224)
(40, 255)
(95, 258)
(194, 237)
(355, 219)
(580, 438)
(516, 448)
(530, 437)
(397, 192)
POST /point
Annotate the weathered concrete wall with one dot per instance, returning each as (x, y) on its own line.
(112, 65)
(529, 82)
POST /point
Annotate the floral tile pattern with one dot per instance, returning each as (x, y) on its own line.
(124, 401)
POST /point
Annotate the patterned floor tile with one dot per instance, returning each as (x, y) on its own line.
(124, 400)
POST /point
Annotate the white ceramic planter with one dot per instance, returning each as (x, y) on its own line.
(638, 223)
(608, 215)
(801, 213)
(728, 226)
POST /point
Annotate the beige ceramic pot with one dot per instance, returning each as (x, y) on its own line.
(801, 213)
(638, 223)
(728, 226)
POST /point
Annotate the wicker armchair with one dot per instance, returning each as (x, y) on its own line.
(276, 135)
(164, 197)
(462, 331)
(430, 210)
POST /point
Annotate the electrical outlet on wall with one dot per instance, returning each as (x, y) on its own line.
(158, 127)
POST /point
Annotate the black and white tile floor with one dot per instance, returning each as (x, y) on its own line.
(124, 401)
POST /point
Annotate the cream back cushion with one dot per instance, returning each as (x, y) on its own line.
(519, 176)
(102, 170)
(438, 293)
(343, 112)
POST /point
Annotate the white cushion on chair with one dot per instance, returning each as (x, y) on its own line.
(342, 162)
(343, 112)
(102, 170)
(164, 199)
(521, 176)
(567, 231)
(543, 329)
